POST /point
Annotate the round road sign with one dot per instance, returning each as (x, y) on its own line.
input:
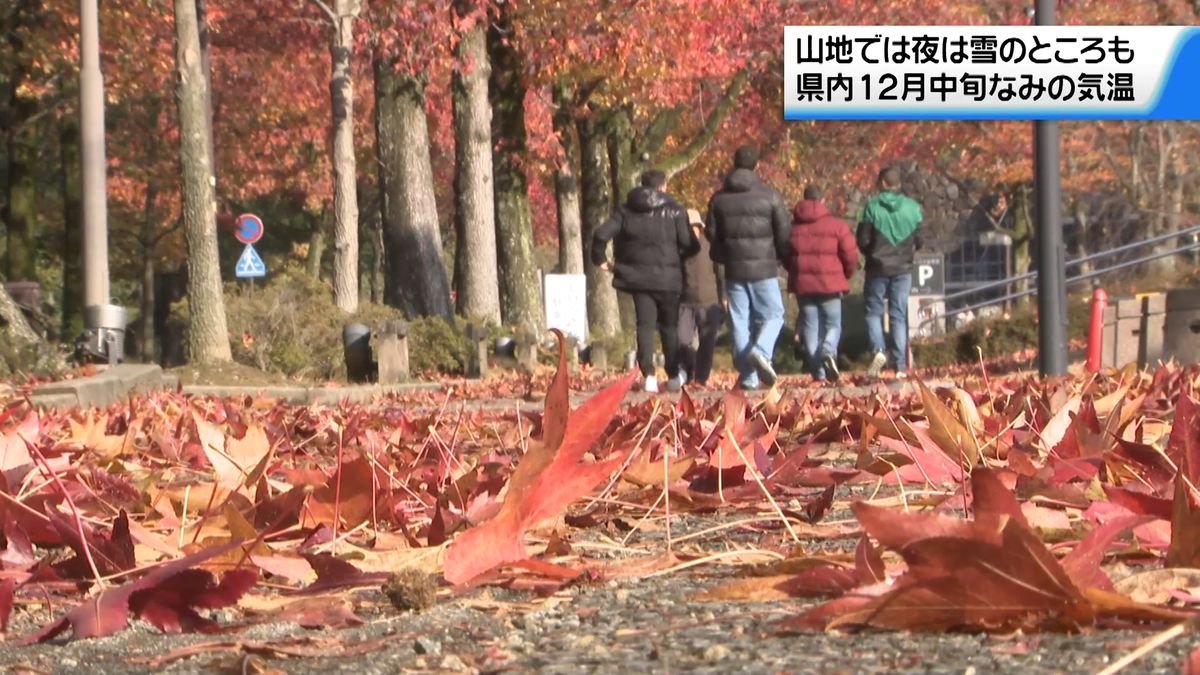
(249, 228)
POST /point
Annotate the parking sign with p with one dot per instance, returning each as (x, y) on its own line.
(929, 275)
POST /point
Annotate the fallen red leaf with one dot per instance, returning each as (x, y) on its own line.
(109, 611)
(333, 573)
(1183, 448)
(1082, 564)
(6, 603)
(533, 497)
(992, 573)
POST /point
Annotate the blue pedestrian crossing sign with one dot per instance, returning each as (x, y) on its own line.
(250, 266)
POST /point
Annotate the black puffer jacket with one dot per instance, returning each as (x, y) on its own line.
(748, 225)
(651, 238)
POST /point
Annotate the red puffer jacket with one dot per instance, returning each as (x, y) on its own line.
(824, 255)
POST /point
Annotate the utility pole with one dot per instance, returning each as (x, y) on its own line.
(104, 324)
(91, 130)
(1051, 278)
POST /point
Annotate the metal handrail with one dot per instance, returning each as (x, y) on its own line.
(1073, 263)
(1194, 246)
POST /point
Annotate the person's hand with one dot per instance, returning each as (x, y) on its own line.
(607, 266)
(724, 305)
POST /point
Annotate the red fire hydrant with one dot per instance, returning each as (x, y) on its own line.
(1096, 331)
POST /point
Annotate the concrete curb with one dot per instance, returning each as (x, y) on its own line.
(115, 384)
(100, 390)
(310, 395)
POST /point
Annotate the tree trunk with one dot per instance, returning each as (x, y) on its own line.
(603, 317)
(21, 207)
(149, 243)
(416, 280)
(16, 108)
(624, 169)
(378, 279)
(345, 172)
(208, 333)
(520, 292)
(206, 64)
(476, 277)
(18, 327)
(566, 186)
(316, 251)
(1022, 236)
(72, 172)
(1178, 172)
(624, 166)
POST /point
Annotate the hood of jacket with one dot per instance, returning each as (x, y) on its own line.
(891, 201)
(809, 211)
(644, 200)
(741, 180)
(894, 215)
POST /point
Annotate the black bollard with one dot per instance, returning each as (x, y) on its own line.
(356, 346)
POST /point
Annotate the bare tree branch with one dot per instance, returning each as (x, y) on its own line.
(333, 18)
(680, 160)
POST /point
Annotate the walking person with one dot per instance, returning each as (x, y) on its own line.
(888, 236)
(748, 227)
(651, 239)
(824, 257)
(702, 308)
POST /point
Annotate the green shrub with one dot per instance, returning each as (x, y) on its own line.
(291, 326)
(438, 346)
(996, 337)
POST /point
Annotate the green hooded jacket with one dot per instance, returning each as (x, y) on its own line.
(893, 215)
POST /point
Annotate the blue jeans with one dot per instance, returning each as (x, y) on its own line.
(755, 317)
(821, 326)
(895, 290)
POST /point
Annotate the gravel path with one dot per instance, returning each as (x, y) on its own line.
(619, 627)
(625, 626)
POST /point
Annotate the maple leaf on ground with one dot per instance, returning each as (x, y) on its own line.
(991, 573)
(545, 482)
(6, 602)
(112, 554)
(167, 597)
(237, 462)
(1183, 448)
(334, 573)
(954, 439)
(1083, 562)
(822, 578)
(15, 460)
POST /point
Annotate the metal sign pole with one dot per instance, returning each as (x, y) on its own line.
(1052, 286)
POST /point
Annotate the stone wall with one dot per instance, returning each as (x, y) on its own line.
(946, 201)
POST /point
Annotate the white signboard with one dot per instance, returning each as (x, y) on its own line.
(926, 316)
(566, 304)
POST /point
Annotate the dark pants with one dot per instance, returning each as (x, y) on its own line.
(657, 309)
(705, 320)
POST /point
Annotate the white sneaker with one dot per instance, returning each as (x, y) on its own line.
(683, 378)
(831, 367)
(877, 364)
(762, 364)
(675, 384)
(651, 385)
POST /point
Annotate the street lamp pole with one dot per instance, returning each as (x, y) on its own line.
(91, 131)
(1051, 279)
(103, 323)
